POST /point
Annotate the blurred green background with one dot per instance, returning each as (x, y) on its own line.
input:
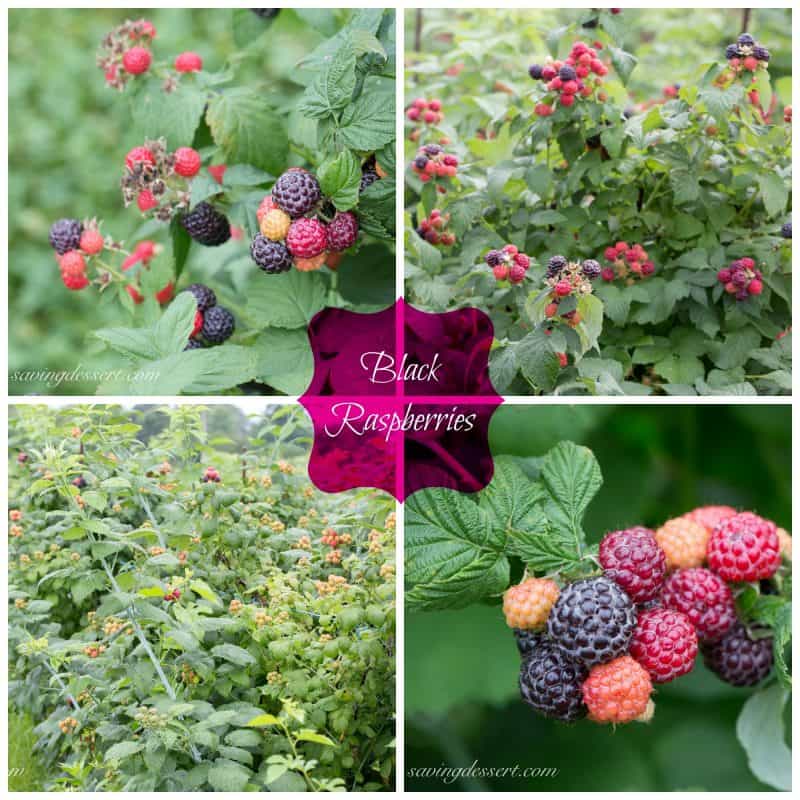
(68, 135)
(668, 42)
(461, 691)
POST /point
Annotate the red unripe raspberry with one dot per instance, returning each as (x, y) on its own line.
(555, 84)
(413, 113)
(704, 598)
(166, 294)
(522, 260)
(74, 282)
(516, 274)
(562, 360)
(136, 60)
(435, 105)
(731, 288)
(451, 160)
(648, 268)
(542, 110)
(754, 96)
(342, 231)
(548, 72)
(664, 643)
(139, 155)
(710, 516)
(511, 249)
(634, 561)
(306, 238)
(684, 542)
(570, 87)
(601, 69)
(528, 605)
(551, 309)
(91, 241)
(563, 288)
(750, 64)
(420, 103)
(621, 247)
(217, 172)
(500, 272)
(188, 62)
(187, 162)
(607, 274)
(146, 201)
(135, 296)
(584, 58)
(744, 547)
(430, 117)
(431, 167)
(587, 92)
(724, 276)
(145, 250)
(144, 28)
(755, 287)
(582, 72)
(747, 263)
(198, 324)
(566, 99)
(448, 239)
(618, 691)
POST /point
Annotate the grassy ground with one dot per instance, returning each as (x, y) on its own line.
(25, 774)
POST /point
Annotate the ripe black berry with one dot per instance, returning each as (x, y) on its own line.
(527, 641)
(193, 344)
(786, 230)
(591, 269)
(218, 325)
(206, 225)
(296, 192)
(79, 482)
(367, 179)
(555, 265)
(551, 683)
(592, 621)
(761, 53)
(420, 162)
(535, 71)
(205, 297)
(567, 73)
(732, 51)
(65, 235)
(738, 659)
(432, 149)
(746, 39)
(272, 257)
(493, 258)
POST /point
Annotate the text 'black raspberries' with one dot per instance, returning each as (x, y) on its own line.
(272, 257)
(551, 683)
(218, 325)
(203, 294)
(65, 235)
(296, 192)
(206, 225)
(592, 621)
(738, 659)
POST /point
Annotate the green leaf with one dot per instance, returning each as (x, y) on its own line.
(181, 242)
(590, 327)
(376, 209)
(248, 131)
(263, 721)
(284, 360)
(369, 277)
(228, 776)
(122, 750)
(233, 653)
(311, 736)
(368, 124)
(623, 62)
(289, 300)
(340, 178)
(537, 360)
(782, 633)
(333, 86)
(572, 477)
(761, 734)
(202, 589)
(454, 551)
(171, 115)
(173, 329)
(97, 500)
(133, 343)
(247, 26)
(510, 497)
(774, 192)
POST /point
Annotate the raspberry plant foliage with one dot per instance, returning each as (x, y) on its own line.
(698, 179)
(210, 147)
(170, 633)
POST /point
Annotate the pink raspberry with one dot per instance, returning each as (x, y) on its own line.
(136, 60)
(500, 272)
(608, 274)
(522, 260)
(664, 643)
(744, 547)
(92, 241)
(342, 231)
(563, 288)
(710, 516)
(516, 274)
(633, 560)
(146, 201)
(704, 598)
(306, 238)
(188, 62)
(139, 155)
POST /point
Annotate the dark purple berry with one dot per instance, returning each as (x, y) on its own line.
(739, 659)
(65, 235)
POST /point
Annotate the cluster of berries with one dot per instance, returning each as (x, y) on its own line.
(434, 229)
(67, 725)
(432, 162)
(427, 111)
(508, 264)
(125, 52)
(79, 482)
(171, 597)
(211, 476)
(73, 242)
(213, 324)
(569, 279)
(597, 646)
(746, 54)
(741, 278)
(293, 230)
(627, 261)
(570, 78)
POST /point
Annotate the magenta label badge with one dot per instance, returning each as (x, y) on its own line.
(401, 400)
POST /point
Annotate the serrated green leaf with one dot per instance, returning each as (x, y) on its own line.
(760, 732)
(340, 178)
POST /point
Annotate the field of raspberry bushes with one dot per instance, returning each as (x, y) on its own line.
(190, 187)
(612, 187)
(187, 612)
(612, 613)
